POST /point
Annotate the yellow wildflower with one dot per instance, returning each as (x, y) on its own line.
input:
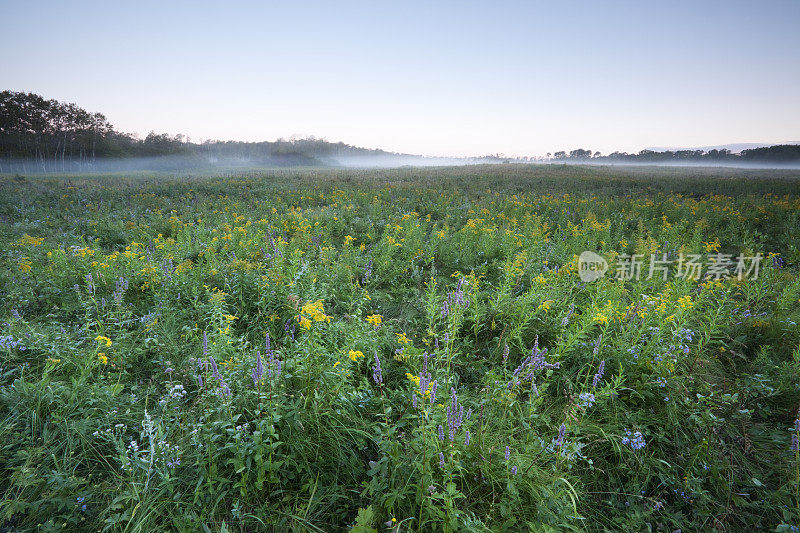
(27, 239)
(315, 311)
(101, 339)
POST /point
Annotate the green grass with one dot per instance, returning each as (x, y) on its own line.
(109, 400)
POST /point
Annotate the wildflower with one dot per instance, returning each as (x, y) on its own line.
(441, 459)
(376, 320)
(367, 269)
(313, 311)
(532, 364)
(224, 389)
(505, 353)
(508, 453)
(441, 432)
(355, 355)
(177, 392)
(562, 431)
(454, 299)
(102, 339)
(565, 320)
(258, 370)
(514, 470)
(466, 439)
(635, 440)
(586, 399)
(8, 342)
(599, 375)
(377, 373)
(455, 414)
(600, 318)
(597, 344)
(102, 358)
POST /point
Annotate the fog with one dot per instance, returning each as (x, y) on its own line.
(210, 164)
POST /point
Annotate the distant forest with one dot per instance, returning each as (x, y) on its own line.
(37, 134)
(41, 135)
(779, 154)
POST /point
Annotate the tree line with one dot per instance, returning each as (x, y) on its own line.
(778, 154)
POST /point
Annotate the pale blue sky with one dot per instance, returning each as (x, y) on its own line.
(438, 78)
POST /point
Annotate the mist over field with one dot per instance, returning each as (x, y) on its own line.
(42, 136)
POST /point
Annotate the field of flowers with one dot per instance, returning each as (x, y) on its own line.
(405, 350)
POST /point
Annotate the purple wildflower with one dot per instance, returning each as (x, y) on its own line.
(565, 321)
(377, 373)
(258, 370)
(224, 389)
(597, 344)
(586, 399)
(634, 439)
(562, 431)
(455, 414)
(600, 371)
(454, 299)
(532, 364)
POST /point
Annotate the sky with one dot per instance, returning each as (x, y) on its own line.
(433, 78)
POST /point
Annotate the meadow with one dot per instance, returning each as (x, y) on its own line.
(399, 350)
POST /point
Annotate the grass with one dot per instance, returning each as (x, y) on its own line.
(136, 308)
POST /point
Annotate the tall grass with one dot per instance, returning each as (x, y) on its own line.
(201, 352)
